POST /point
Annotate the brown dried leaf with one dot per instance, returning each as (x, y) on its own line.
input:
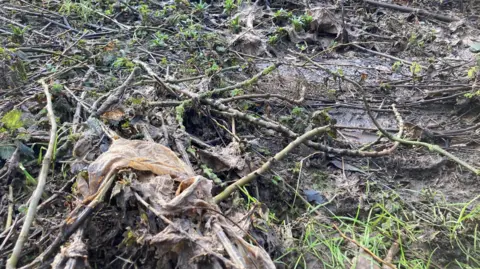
(115, 115)
(138, 155)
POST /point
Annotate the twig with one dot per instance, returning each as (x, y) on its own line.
(385, 55)
(7, 236)
(28, 12)
(23, 26)
(78, 110)
(165, 103)
(242, 84)
(64, 26)
(439, 17)
(368, 251)
(267, 96)
(42, 177)
(229, 112)
(121, 25)
(182, 151)
(10, 207)
(79, 101)
(112, 97)
(357, 107)
(433, 100)
(459, 88)
(74, 43)
(160, 81)
(278, 157)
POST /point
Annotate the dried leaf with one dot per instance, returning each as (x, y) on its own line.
(138, 155)
(115, 115)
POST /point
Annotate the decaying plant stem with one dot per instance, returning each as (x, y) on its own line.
(278, 157)
(42, 178)
(10, 207)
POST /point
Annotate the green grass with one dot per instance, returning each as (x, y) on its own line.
(425, 231)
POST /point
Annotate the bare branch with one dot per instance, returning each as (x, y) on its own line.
(278, 157)
(42, 178)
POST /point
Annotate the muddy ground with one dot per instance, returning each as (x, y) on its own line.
(227, 85)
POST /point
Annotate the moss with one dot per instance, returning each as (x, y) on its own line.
(12, 120)
(180, 111)
(135, 101)
(126, 125)
(269, 69)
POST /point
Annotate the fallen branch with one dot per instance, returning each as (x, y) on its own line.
(267, 96)
(385, 55)
(278, 157)
(245, 83)
(419, 11)
(112, 97)
(42, 178)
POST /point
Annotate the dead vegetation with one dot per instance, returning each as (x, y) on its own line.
(233, 134)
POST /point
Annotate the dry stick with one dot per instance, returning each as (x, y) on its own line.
(164, 103)
(380, 128)
(368, 251)
(278, 157)
(267, 96)
(244, 83)
(455, 89)
(121, 25)
(413, 10)
(10, 207)
(42, 178)
(113, 97)
(385, 55)
(78, 109)
(7, 236)
(28, 49)
(23, 26)
(80, 102)
(433, 100)
(149, 70)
